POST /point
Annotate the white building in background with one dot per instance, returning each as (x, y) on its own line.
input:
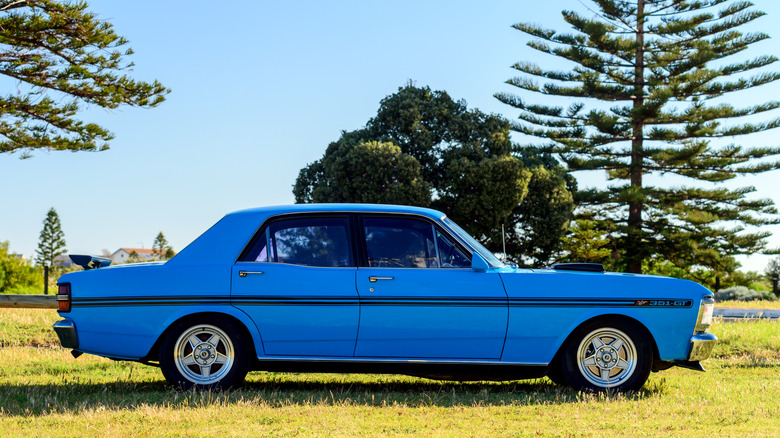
(122, 254)
(62, 261)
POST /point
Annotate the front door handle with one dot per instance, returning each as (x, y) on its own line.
(245, 273)
(373, 279)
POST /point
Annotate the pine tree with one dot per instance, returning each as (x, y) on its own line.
(160, 248)
(772, 269)
(644, 99)
(62, 57)
(52, 240)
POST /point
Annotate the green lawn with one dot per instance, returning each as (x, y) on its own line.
(45, 392)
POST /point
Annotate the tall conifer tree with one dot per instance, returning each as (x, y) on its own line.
(60, 58)
(52, 240)
(160, 248)
(647, 97)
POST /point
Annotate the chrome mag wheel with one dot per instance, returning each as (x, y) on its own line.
(606, 357)
(204, 354)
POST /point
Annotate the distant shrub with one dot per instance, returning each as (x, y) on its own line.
(17, 273)
(741, 293)
(27, 290)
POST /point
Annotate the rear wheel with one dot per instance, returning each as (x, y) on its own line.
(602, 356)
(208, 354)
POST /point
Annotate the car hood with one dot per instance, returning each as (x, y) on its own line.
(554, 283)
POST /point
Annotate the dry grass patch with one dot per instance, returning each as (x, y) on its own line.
(46, 392)
(32, 327)
(100, 398)
(759, 304)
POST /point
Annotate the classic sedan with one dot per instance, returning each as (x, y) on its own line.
(377, 289)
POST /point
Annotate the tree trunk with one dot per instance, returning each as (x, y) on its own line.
(633, 247)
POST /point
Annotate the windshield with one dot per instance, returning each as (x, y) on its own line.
(472, 242)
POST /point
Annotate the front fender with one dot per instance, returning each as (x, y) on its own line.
(545, 307)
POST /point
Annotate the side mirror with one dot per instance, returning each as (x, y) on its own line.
(478, 263)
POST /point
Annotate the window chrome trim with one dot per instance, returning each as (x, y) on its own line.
(438, 221)
(300, 266)
(436, 246)
(413, 269)
(268, 257)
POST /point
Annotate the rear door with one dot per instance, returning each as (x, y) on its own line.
(297, 282)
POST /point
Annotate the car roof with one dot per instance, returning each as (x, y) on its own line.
(342, 208)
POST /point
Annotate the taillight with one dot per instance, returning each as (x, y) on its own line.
(63, 297)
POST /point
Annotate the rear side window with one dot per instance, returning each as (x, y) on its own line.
(316, 241)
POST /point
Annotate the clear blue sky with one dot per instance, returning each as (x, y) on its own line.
(258, 91)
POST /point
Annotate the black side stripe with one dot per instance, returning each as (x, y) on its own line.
(383, 301)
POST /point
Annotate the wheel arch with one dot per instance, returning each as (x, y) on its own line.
(197, 317)
(606, 319)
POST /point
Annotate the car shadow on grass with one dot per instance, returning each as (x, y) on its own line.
(273, 391)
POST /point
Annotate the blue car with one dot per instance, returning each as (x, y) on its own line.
(377, 289)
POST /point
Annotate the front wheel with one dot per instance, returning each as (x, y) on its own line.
(602, 356)
(208, 354)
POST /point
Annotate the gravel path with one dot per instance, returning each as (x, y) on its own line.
(746, 313)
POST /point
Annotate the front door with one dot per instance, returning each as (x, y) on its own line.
(419, 297)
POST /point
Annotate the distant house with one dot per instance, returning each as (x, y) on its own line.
(122, 254)
(62, 261)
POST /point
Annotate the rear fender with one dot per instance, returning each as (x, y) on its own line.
(193, 312)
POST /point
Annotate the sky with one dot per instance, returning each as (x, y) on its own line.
(260, 88)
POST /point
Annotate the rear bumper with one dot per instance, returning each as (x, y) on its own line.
(66, 331)
(701, 346)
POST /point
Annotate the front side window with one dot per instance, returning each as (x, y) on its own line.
(399, 243)
(450, 256)
(466, 237)
(316, 241)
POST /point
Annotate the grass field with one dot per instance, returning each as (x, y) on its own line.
(45, 392)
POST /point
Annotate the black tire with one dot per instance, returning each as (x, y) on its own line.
(209, 353)
(555, 374)
(607, 355)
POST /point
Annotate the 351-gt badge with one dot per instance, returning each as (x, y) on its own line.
(664, 303)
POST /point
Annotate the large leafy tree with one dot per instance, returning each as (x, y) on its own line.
(538, 224)
(424, 148)
(353, 170)
(647, 95)
(52, 240)
(63, 58)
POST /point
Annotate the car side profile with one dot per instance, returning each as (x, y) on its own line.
(377, 289)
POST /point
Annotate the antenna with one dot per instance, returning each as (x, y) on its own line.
(503, 241)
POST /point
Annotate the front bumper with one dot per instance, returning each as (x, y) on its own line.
(701, 346)
(66, 331)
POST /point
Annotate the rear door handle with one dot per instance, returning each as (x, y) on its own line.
(245, 273)
(373, 279)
